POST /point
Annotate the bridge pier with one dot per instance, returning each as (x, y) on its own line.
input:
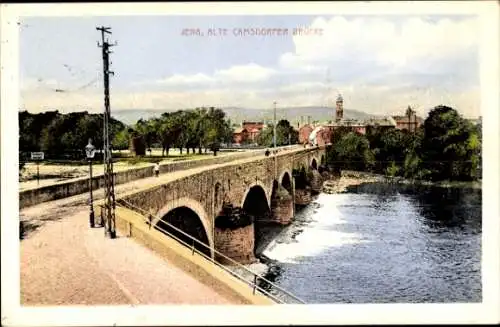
(316, 182)
(237, 244)
(234, 236)
(303, 196)
(282, 206)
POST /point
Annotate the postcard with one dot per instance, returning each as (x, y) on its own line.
(250, 163)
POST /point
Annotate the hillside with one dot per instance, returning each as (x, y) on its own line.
(236, 114)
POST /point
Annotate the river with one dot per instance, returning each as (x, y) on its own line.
(382, 243)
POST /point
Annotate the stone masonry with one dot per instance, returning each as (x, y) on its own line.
(237, 244)
(282, 206)
(206, 191)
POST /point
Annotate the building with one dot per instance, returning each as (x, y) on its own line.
(253, 129)
(410, 121)
(240, 135)
(354, 125)
(304, 133)
(339, 109)
(248, 132)
(320, 134)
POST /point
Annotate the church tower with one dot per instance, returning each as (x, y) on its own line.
(339, 111)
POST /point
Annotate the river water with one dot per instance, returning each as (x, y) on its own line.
(381, 243)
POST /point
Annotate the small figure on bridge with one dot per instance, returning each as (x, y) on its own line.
(267, 153)
(156, 169)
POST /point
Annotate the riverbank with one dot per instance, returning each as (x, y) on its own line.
(350, 178)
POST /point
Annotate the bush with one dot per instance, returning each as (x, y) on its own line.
(392, 170)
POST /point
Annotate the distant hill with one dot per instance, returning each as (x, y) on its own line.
(238, 114)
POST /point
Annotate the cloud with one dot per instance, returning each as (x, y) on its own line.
(189, 80)
(379, 64)
(245, 73)
(242, 74)
(382, 42)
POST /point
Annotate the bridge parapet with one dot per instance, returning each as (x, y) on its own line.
(246, 184)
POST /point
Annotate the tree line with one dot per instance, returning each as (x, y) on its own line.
(195, 129)
(60, 135)
(63, 135)
(285, 134)
(445, 147)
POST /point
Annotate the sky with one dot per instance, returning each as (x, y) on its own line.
(380, 64)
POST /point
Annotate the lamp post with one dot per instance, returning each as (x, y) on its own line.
(90, 152)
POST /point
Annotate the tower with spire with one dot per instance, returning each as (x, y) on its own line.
(339, 109)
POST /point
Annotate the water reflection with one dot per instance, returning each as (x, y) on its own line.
(439, 207)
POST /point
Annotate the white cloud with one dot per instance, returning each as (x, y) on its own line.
(382, 41)
(189, 80)
(380, 66)
(245, 73)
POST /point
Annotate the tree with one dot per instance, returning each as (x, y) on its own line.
(31, 127)
(122, 140)
(285, 134)
(169, 131)
(351, 151)
(450, 145)
(265, 138)
(62, 134)
(147, 130)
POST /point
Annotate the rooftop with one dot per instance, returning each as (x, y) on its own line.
(240, 130)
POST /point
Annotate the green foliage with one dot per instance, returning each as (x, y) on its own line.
(392, 169)
(200, 128)
(61, 134)
(285, 135)
(446, 147)
(350, 151)
(451, 146)
(122, 140)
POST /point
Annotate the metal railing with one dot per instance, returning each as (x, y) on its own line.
(256, 277)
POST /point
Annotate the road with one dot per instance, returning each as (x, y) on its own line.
(35, 216)
(65, 173)
(66, 262)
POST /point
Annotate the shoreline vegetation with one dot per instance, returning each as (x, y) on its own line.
(352, 178)
(444, 149)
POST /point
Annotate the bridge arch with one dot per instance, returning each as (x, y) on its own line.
(188, 215)
(314, 163)
(286, 180)
(300, 175)
(253, 186)
(256, 201)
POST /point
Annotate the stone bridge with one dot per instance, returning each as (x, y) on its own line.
(226, 205)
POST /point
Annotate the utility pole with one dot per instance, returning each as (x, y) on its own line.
(109, 200)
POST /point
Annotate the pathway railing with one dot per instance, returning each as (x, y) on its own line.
(254, 284)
